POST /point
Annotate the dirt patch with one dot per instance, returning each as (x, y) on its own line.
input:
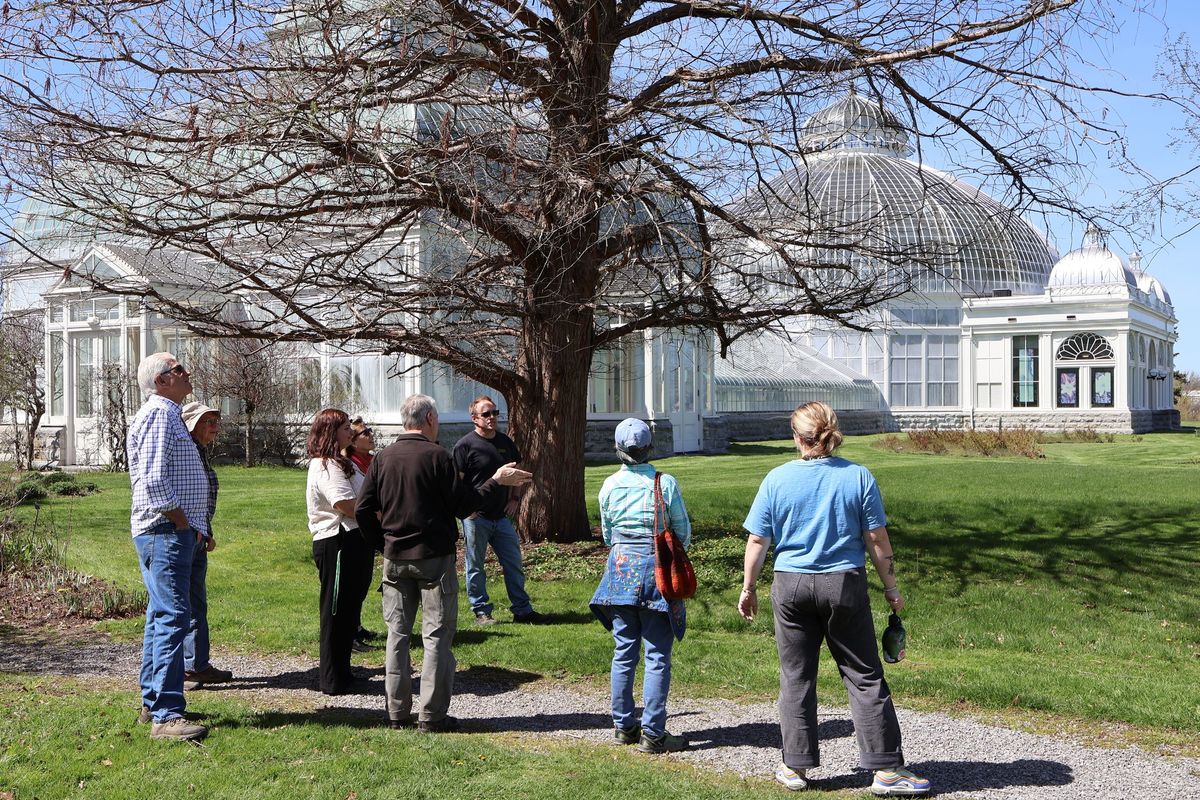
(62, 599)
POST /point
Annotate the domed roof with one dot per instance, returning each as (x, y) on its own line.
(1091, 265)
(1145, 281)
(862, 201)
(854, 123)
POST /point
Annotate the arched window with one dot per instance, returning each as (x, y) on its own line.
(1085, 347)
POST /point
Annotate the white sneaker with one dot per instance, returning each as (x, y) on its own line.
(898, 783)
(791, 778)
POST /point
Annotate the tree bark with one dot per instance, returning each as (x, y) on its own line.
(33, 419)
(249, 440)
(548, 413)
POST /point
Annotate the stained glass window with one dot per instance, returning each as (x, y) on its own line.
(1102, 387)
(1068, 387)
(1025, 371)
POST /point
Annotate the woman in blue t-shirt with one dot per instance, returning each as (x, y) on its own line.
(823, 514)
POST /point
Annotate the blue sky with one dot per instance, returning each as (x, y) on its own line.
(1169, 253)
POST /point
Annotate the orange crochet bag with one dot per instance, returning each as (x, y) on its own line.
(672, 568)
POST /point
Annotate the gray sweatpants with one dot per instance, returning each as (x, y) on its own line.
(831, 606)
(433, 583)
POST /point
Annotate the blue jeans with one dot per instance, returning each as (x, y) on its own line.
(478, 533)
(195, 645)
(631, 627)
(165, 557)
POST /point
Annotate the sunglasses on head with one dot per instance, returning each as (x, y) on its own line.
(178, 369)
(495, 412)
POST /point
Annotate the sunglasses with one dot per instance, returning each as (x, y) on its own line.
(495, 412)
(364, 432)
(178, 369)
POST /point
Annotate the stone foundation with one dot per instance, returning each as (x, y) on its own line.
(758, 426)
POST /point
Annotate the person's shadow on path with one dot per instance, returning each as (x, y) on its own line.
(967, 776)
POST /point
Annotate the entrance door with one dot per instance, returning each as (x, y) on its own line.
(681, 384)
(91, 354)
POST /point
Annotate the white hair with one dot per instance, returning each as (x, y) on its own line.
(416, 410)
(151, 367)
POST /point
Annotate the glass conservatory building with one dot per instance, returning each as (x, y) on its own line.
(993, 330)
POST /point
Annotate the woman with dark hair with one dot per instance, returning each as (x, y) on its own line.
(824, 515)
(628, 601)
(344, 561)
(361, 452)
(362, 445)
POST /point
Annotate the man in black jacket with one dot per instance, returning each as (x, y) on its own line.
(407, 508)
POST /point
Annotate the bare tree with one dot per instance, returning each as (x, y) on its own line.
(567, 166)
(113, 420)
(260, 378)
(22, 388)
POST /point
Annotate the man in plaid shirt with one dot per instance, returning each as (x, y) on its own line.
(168, 516)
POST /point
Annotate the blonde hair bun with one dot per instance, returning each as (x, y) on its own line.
(815, 427)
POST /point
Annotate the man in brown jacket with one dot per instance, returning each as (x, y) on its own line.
(408, 508)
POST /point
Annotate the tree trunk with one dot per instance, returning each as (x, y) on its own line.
(548, 413)
(33, 421)
(249, 440)
(16, 438)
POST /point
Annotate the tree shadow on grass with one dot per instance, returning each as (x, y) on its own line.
(968, 776)
(1079, 546)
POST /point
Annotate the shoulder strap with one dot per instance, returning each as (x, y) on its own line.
(659, 505)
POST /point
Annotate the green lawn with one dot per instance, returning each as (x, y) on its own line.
(85, 749)
(1065, 584)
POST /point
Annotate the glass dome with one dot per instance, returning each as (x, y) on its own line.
(854, 123)
(54, 233)
(863, 200)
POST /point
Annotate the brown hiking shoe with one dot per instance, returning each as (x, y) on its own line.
(178, 728)
(209, 674)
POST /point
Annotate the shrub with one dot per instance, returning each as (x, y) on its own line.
(1017, 441)
(55, 478)
(34, 486)
(928, 441)
(27, 548)
(29, 489)
(76, 488)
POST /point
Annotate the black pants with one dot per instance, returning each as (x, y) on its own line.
(345, 564)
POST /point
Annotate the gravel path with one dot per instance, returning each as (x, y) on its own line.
(963, 758)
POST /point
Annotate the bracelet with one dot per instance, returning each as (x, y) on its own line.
(751, 590)
(895, 588)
